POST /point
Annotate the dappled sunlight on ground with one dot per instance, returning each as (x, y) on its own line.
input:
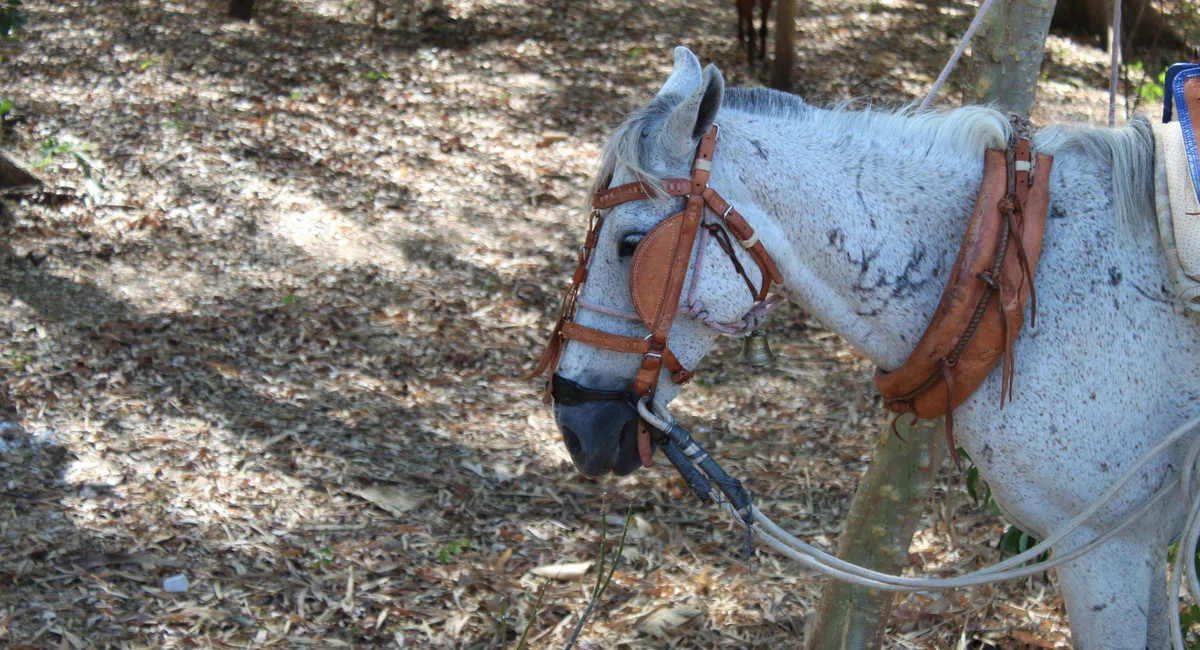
(277, 347)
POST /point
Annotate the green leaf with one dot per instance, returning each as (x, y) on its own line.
(147, 64)
(443, 556)
(635, 52)
(5, 106)
(1015, 541)
(972, 483)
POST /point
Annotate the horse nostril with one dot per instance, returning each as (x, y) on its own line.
(571, 439)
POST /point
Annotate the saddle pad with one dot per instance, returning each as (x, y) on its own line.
(1178, 212)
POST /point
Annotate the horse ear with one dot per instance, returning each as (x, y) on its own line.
(685, 76)
(691, 119)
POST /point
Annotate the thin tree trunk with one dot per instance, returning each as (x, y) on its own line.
(882, 519)
(241, 9)
(13, 174)
(1003, 70)
(1006, 55)
(785, 44)
(1143, 23)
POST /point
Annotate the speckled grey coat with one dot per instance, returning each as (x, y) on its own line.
(863, 212)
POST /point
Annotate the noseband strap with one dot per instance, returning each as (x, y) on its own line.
(656, 279)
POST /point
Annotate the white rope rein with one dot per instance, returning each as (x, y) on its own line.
(1116, 63)
(818, 560)
(958, 52)
(1114, 72)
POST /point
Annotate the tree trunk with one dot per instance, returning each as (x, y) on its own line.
(1006, 55)
(883, 517)
(13, 174)
(785, 44)
(1004, 69)
(241, 9)
(1145, 25)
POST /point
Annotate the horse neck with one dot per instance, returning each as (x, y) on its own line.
(872, 214)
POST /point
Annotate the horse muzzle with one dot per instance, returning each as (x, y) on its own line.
(598, 427)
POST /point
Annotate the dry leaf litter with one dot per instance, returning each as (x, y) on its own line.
(264, 374)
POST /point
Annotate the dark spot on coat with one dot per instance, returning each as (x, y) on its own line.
(762, 153)
(1103, 467)
(1098, 608)
(1056, 212)
(1093, 396)
(1114, 276)
(837, 239)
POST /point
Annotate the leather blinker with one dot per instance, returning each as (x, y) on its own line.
(650, 271)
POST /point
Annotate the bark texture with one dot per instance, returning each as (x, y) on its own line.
(1006, 55)
(883, 517)
(785, 45)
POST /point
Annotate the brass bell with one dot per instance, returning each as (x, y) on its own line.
(755, 349)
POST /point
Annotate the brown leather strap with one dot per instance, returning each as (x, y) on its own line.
(982, 307)
(594, 337)
(744, 233)
(615, 196)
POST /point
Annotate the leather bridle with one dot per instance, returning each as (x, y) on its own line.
(656, 282)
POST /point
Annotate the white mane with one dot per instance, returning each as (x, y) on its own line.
(1129, 150)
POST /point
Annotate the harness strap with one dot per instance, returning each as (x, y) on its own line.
(981, 312)
(663, 270)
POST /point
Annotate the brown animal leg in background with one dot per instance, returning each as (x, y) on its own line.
(762, 38)
(745, 9)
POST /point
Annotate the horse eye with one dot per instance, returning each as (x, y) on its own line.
(629, 244)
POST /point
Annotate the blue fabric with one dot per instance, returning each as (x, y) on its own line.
(1168, 85)
(1185, 122)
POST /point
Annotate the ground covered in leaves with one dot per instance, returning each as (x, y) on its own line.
(275, 344)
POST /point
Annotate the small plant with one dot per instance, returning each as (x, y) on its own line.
(453, 548)
(601, 579)
(324, 557)
(376, 75)
(6, 107)
(980, 491)
(290, 299)
(1014, 541)
(147, 63)
(11, 18)
(1149, 90)
(537, 605)
(19, 361)
(52, 148)
(635, 52)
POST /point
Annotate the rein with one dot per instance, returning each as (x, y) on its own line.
(656, 279)
(701, 473)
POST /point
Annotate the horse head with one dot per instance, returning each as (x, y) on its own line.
(639, 267)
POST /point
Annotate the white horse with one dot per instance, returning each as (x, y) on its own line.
(864, 212)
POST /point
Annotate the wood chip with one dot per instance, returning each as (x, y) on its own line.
(568, 571)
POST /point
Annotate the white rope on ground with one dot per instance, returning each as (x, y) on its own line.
(1116, 60)
(953, 62)
(827, 564)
